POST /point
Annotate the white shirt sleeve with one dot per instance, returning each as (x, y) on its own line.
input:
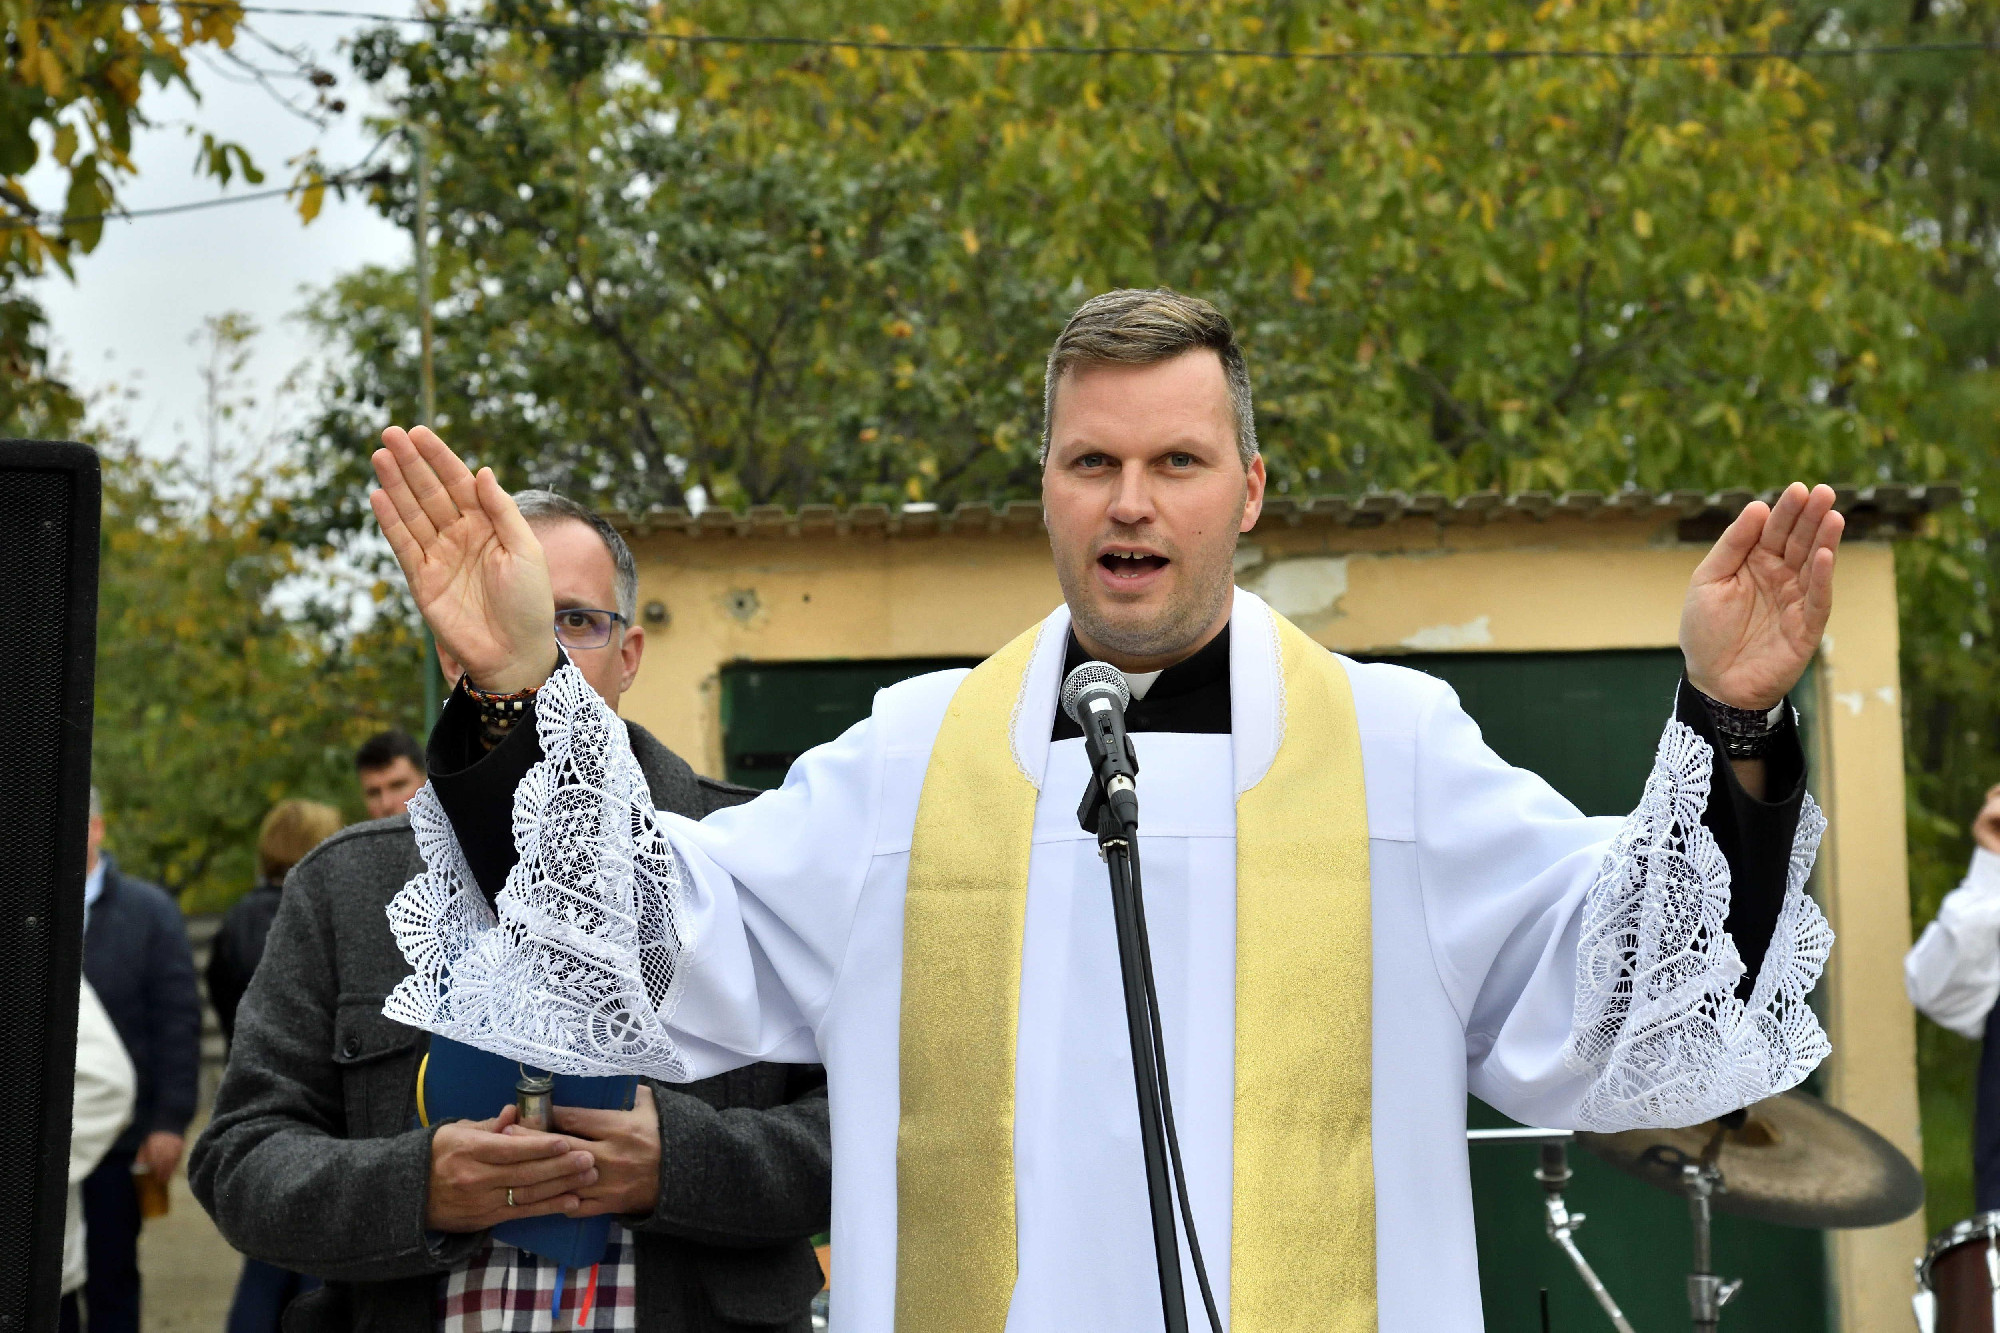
(1588, 957)
(1953, 971)
(105, 1087)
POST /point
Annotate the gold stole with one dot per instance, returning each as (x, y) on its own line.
(1302, 1252)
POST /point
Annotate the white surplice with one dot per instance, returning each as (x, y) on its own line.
(1569, 971)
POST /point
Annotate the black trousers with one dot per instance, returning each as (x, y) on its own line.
(111, 1246)
(262, 1294)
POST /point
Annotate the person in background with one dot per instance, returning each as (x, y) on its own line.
(314, 1160)
(136, 957)
(390, 765)
(1953, 976)
(100, 1108)
(289, 831)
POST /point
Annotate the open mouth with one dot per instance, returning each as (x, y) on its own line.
(1131, 564)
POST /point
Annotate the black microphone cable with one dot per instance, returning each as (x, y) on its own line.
(1166, 1092)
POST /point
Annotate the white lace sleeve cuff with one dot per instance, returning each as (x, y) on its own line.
(577, 972)
(1658, 1024)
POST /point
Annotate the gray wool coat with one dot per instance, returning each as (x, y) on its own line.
(313, 1160)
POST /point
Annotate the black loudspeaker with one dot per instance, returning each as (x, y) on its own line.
(49, 505)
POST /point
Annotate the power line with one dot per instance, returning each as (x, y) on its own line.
(618, 33)
(1203, 52)
(38, 221)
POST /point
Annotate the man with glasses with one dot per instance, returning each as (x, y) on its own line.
(597, 592)
(314, 1159)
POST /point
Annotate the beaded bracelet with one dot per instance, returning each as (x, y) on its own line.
(497, 712)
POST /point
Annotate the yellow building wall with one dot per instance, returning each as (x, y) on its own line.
(791, 599)
(1515, 585)
(1864, 886)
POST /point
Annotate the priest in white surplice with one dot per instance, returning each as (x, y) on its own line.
(1357, 911)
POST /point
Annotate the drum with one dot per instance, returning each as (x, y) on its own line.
(1958, 1279)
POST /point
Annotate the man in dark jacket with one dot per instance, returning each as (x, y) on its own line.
(136, 957)
(314, 1159)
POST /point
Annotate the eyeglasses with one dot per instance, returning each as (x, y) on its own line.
(586, 627)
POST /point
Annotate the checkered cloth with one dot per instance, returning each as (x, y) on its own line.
(505, 1290)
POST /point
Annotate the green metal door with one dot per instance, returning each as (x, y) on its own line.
(773, 712)
(1588, 722)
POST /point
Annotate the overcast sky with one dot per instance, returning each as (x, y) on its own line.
(141, 296)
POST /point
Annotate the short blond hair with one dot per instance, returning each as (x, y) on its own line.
(1138, 326)
(292, 829)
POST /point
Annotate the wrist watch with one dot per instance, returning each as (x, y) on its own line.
(1746, 732)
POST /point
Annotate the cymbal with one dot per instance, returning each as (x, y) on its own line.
(1795, 1161)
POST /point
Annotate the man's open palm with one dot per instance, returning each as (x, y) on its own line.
(474, 566)
(1758, 603)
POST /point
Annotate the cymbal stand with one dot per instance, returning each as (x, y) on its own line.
(1561, 1224)
(1702, 1180)
(1553, 1172)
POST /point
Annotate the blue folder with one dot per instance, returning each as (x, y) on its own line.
(457, 1082)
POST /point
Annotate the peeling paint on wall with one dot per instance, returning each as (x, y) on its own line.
(1474, 633)
(1308, 586)
(1856, 700)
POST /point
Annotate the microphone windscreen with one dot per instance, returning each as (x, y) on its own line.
(1090, 676)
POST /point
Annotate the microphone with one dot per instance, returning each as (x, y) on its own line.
(1094, 695)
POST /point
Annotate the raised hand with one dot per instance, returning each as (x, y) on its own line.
(473, 564)
(1758, 602)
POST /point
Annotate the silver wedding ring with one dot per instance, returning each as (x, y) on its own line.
(510, 1196)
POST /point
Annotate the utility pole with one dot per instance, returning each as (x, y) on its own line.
(433, 676)
(423, 247)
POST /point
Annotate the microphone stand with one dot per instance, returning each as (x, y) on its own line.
(1115, 844)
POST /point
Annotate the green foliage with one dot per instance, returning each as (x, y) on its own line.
(234, 668)
(34, 405)
(789, 276)
(212, 704)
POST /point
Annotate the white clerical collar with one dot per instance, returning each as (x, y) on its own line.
(1139, 681)
(1255, 692)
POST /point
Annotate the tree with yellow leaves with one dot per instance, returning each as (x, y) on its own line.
(71, 88)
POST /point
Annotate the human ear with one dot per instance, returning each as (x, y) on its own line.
(1253, 494)
(630, 650)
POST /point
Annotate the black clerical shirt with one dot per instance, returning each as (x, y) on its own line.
(1190, 696)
